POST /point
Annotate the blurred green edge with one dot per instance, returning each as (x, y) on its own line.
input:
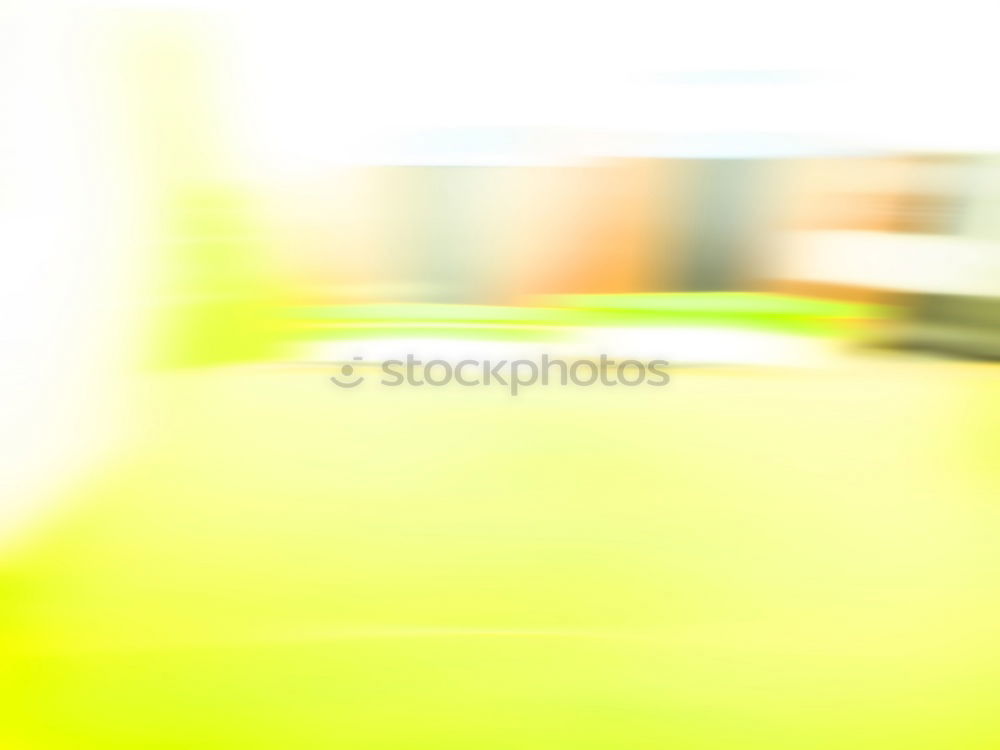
(558, 315)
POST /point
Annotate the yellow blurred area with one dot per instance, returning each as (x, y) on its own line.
(774, 559)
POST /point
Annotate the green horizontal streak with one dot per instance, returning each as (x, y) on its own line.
(753, 311)
(350, 333)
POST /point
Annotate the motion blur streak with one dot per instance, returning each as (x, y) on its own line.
(210, 209)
